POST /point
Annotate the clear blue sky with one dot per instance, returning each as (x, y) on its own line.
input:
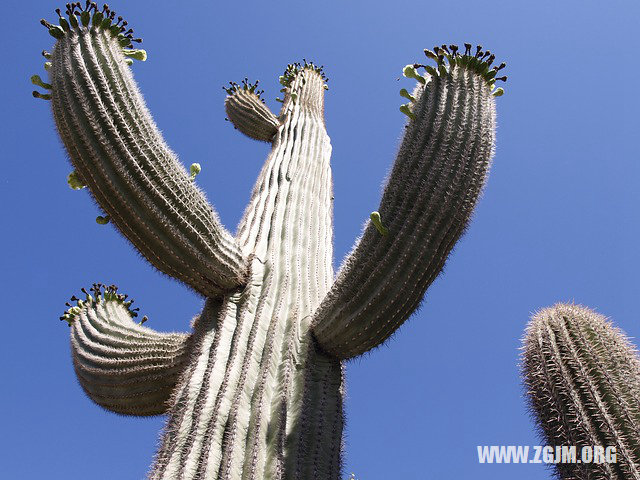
(558, 220)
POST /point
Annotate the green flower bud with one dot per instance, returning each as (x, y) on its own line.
(194, 169)
(377, 222)
(135, 54)
(74, 181)
(407, 111)
(36, 80)
(404, 93)
(410, 72)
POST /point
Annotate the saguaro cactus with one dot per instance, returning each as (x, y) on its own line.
(583, 380)
(256, 390)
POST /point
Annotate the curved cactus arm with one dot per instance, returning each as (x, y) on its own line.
(119, 153)
(248, 112)
(121, 365)
(582, 377)
(433, 187)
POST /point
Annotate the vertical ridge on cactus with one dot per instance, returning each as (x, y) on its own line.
(256, 390)
(582, 377)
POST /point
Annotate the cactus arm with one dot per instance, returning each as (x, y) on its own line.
(582, 378)
(435, 182)
(121, 365)
(248, 113)
(136, 179)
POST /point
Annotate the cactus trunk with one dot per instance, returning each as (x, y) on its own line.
(259, 399)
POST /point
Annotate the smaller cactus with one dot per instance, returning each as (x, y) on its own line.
(582, 377)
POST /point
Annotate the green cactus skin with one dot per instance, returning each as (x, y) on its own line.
(260, 389)
(582, 377)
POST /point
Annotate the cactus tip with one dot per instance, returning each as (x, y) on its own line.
(479, 62)
(101, 293)
(91, 18)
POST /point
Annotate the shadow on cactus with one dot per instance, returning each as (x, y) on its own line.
(582, 377)
(256, 390)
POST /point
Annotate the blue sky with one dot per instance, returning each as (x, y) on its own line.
(558, 220)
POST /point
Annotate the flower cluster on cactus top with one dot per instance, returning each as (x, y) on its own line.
(101, 293)
(89, 17)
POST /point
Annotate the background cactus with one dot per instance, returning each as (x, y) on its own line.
(582, 377)
(260, 389)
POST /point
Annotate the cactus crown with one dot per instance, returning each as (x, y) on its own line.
(89, 16)
(480, 61)
(293, 69)
(246, 86)
(448, 57)
(101, 293)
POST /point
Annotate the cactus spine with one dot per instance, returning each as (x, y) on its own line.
(582, 377)
(260, 386)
